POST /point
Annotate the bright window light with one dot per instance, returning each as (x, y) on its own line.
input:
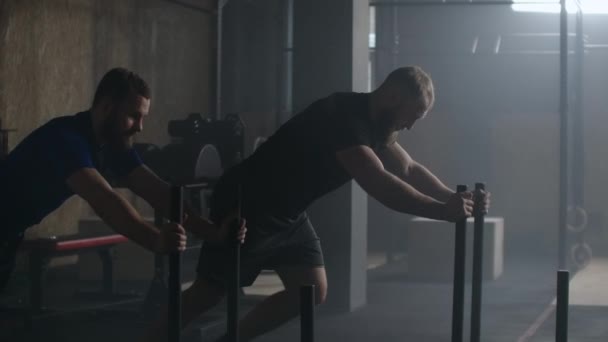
(538, 6)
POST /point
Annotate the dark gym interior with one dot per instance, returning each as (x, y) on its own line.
(520, 104)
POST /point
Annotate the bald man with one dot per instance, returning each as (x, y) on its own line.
(339, 138)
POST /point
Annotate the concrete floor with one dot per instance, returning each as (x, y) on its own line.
(517, 308)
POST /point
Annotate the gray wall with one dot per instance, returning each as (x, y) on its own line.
(496, 117)
(53, 53)
(253, 64)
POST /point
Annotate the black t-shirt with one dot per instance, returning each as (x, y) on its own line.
(298, 164)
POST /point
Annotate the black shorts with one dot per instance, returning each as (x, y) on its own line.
(265, 248)
(8, 255)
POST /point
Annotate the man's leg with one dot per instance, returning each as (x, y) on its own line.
(283, 305)
(196, 300)
(8, 255)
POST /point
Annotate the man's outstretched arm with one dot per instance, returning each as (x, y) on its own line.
(147, 185)
(400, 163)
(121, 216)
(367, 169)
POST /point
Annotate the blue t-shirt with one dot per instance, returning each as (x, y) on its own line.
(33, 176)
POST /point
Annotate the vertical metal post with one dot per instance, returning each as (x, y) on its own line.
(4, 132)
(561, 317)
(477, 267)
(285, 75)
(175, 290)
(234, 286)
(108, 271)
(3, 142)
(307, 313)
(396, 38)
(563, 110)
(36, 272)
(459, 276)
(578, 144)
(219, 20)
(158, 286)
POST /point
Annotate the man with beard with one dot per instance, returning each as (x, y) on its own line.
(68, 156)
(336, 139)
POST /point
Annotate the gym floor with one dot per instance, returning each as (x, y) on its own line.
(517, 307)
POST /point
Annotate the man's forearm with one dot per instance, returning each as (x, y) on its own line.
(396, 194)
(123, 219)
(194, 223)
(427, 183)
(199, 226)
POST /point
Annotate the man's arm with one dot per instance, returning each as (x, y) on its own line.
(120, 215)
(366, 168)
(147, 185)
(399, 162)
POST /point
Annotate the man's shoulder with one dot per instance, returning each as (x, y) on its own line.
(349, 96)
(339, 102)
(66, 133)
(351, 106)
(70, 121)
(72, 127)
(327, 113)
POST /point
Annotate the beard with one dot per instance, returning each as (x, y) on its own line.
(385, 130)
(118, 139)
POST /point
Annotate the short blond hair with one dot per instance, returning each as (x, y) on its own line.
(417, 83)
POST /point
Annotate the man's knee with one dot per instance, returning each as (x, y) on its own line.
(320, 286)
(320, 292)
(294, 278)
(320, 282)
